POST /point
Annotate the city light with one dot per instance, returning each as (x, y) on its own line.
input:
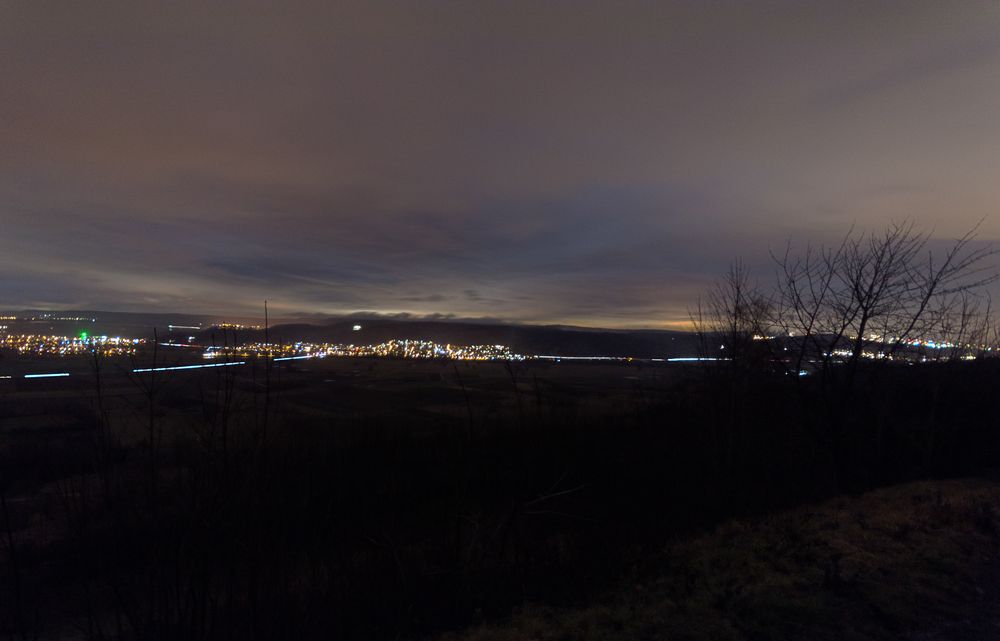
(44, 345)
(407, 348)
(175, 368)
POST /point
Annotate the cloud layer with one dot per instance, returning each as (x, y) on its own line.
(586, 162)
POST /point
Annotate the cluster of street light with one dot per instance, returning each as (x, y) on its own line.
(44, 345)
(968, 350)
(53, 317)
(237, 326)
(416, 349)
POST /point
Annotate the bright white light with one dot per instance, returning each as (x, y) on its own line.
(179, 367)
(357, 328)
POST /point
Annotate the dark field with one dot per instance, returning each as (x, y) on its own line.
(375, 499)
(332, 391)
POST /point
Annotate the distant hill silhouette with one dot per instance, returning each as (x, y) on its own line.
(524, 339)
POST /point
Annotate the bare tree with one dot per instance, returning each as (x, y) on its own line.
(733, 319)
(834, 319)
(878, 296)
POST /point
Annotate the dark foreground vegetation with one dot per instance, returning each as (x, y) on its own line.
(915, 561)
(224, 508)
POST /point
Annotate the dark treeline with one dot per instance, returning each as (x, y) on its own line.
(231, 516)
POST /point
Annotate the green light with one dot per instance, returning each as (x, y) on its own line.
(83, 335)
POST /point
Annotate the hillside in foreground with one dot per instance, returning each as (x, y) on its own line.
(915, 561)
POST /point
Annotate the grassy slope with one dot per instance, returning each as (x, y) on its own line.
(916, 561)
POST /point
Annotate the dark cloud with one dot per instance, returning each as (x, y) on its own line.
(585, 162)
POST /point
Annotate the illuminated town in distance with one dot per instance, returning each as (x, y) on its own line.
(43, 345)
(190, 344)
(418, 349)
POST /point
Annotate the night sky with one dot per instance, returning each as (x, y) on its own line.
(593, 163)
